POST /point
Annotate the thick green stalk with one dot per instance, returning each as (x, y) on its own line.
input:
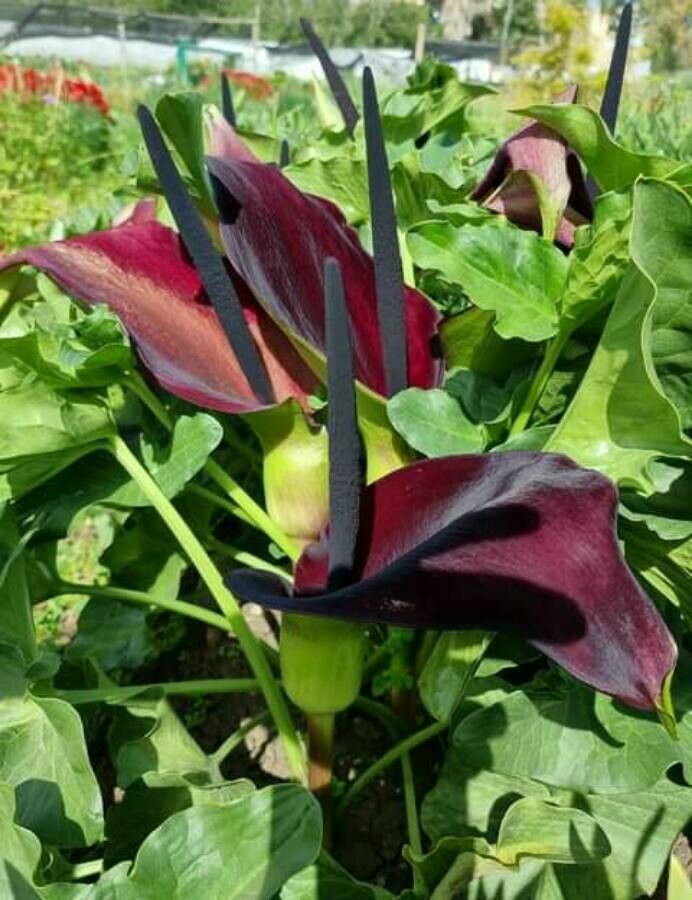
(167, 688)
(391, 756)
(321, 758)
(412, 824)
(217, 500)
(258, 516)
(538, 385)
(211, 577)
(142, 598)
(245, 558)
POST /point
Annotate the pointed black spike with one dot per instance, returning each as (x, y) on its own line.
(212, 271)
(345, 452)
(336, 83)
(389, 282)
(227, 100)
(284, 154)
(616, 73)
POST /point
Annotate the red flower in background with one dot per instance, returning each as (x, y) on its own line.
(15, 79)
(257, 87)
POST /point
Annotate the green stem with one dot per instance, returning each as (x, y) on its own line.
(391, 756)
(258, 516)
(237, 737)
(116, 693)
(394, 725)
(538, 385)
(412, 824)
(211, 577)
(141, 389)
(141, 598)
(321, 758)
(246, 559)
(241, 499)
(85, 869)
(221, 502)
(375, 658)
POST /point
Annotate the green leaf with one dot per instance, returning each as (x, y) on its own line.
(613, 167)
(597, 262)
(514, 273)
(91, 352)
(465, 803)
(481, 397)
(620, 420)
(451, 866)
(421, 195)
(101, 480)
(43, 756)
(147, 736)
(152, 799)
(505, 652)
(38, 420)
(20, 850)
(433, 423)
(247, 848)
(666, 567)
(469, 341)
(426, 103)
(574, 739)
(114, 634)
(19, 477)
(640, 828)
(533, 827)
(16, 618)
(327, 879)
(665, 513)
(180, 116)
(662, 249)
(193, 440)
(340, 179)
(143, 556)
(449, 670)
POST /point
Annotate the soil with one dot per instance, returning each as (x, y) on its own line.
(369, 839)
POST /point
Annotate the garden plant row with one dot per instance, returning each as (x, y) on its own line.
(428, 397)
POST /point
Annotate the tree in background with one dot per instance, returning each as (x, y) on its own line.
(668, 30)
(565, 54)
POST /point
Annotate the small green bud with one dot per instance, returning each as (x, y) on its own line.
(321, 662)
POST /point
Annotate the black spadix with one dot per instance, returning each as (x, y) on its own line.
(345, 451)
(284, 154)
(227, 107)
(215, 278)
(336, 83)
(616, 72)
(388, 272)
